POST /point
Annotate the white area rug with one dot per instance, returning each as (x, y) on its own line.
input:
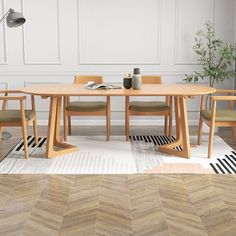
(96, 156)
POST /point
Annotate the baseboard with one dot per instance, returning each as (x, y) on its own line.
(118, 122)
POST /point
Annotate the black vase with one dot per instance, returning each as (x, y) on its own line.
(127, 83)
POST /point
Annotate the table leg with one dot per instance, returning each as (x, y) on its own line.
(185, 128)
(182, 131)
(53, 137)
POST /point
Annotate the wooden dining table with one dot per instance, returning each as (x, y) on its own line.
(180, 92)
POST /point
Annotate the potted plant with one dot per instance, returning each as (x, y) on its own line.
(215, 56)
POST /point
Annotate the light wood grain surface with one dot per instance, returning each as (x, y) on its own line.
(147, 90)
(118, 205)
(179, 91)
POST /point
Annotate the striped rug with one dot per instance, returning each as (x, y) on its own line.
(157, 140)
(96, 156)
(226, 165)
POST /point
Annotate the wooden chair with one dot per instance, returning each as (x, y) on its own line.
(153, 108)
(79, 108)
(18, 118)
(220, 118)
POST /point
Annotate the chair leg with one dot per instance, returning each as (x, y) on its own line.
(212, 127)
(36, 137)
(69, 125)
(170, 127)
(24, 133)
(127, 126)
(127, 118)
(108, 127)
(24, 128)
(210, 143)
(166, 125)
(1, 134)
(234, 133)
(108, 118)
(200, 131)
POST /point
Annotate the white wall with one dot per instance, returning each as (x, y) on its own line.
(235, 42)
(62, 38)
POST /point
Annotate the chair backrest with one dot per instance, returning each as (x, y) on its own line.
(151, 79)
(83, 79)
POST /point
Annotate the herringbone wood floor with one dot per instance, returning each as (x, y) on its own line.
(191, 205)
(184, 205)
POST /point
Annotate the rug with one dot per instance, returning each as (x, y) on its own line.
(223, 159)
(95, 156)
(140, 155)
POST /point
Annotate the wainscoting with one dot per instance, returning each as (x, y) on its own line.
(109, 38)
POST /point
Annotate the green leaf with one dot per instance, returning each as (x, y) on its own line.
(214, 55)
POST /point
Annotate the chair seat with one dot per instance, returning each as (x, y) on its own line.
(221, 115)
(15, 115)
(154, 106)
(86, 106)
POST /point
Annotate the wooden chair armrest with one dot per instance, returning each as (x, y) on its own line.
(10, 91)
(223, 98)
(225, 91)
(5, 99)
(13, 98)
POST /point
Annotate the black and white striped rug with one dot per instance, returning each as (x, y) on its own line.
(223, 165)
(226, 165)
(31, 143)
(157, 140)
(96, 156)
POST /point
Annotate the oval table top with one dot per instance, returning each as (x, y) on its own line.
(147, 90)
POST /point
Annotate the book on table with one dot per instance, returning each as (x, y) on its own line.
(94, 86)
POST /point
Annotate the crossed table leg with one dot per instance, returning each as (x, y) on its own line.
(53, 137)
(182, 131)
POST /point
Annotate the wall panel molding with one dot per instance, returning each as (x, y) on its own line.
(94, 72)
(27, 83)
(59, 53)
(156, 62)
(26, 61)
(176, 41)
(4, 85)
(3, 26)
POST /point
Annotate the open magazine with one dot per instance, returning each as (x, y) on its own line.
(94, 86)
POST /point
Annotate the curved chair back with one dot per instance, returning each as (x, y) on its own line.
(83, 79)
(151, 79)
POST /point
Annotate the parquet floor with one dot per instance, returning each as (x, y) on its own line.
(105, 205)
(191, 205)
